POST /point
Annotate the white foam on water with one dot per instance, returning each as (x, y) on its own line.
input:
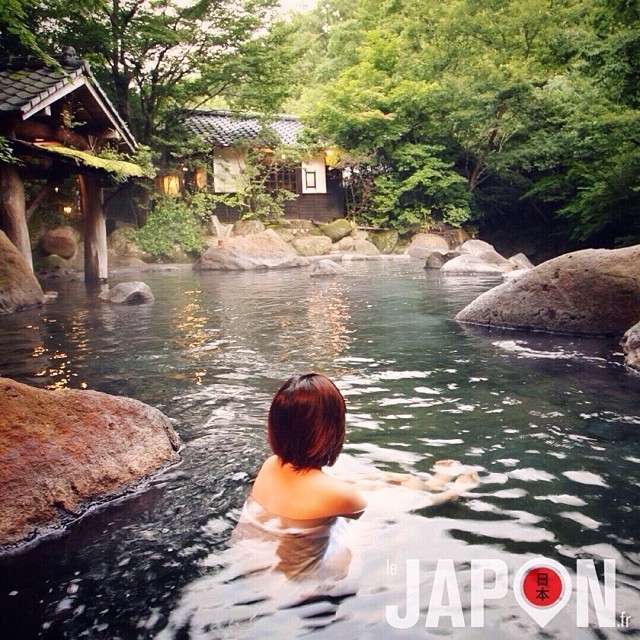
(585, 477)
(522, 350)
(581, 519)
(563, 498)
(529, 474)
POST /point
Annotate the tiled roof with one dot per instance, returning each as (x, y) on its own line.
(26, 81)
(28, 84)
(223, 128)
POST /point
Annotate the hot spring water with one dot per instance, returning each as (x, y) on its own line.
(552, 423)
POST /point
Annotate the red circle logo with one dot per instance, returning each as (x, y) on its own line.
(542, 586)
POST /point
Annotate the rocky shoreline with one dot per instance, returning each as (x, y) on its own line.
(594, 292)
(579, 293)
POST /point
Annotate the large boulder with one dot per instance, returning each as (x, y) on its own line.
(177, 255)
(128, 262)
(60, 241)
(50, 270)
(476, 247)
(384, 240)
(477, 256)
(118, 241)
(284, 234)
(312, 245)
(298, 224)
(328, 268)
(264, 250)
(423, 244)
(346, 244)
(521, 261)
(589, 292)
(46, 266)
(487, 262)
(337, 229)
(19, 288)
(456, 237)
(365, 248)
(128, 293)
(121, 243)
(63, 451)
(631, 347)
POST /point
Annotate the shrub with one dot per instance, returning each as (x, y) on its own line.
(171, 222)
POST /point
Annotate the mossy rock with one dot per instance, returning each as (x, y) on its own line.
(346, 244)
(247, 227)
(297, 224)
(337, 229)
(121, 242)
(365, 248)
(179, 256)
(284, 234)
(312, 245)
(384, 240)
(19, 288)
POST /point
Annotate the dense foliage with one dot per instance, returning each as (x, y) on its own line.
(484, 110)
(507, 113)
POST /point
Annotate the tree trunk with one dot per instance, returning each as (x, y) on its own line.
(13, 216)
(122, 86)
(96, 268)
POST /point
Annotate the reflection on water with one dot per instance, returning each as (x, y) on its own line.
(326, 334)
(551, 422)
(195, 332)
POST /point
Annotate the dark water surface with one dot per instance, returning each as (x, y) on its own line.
(552, 423)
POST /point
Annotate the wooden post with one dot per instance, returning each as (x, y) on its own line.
(96, 268)
(13, 217)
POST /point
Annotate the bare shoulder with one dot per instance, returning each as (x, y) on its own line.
(268, 467)
(304, 494)
(344, 498)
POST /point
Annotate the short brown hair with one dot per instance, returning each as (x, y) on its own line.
(306, 421)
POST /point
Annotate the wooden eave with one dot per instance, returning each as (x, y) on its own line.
(82, 80)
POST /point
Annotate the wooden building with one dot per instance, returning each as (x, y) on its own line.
(55, 120)
(320, 195)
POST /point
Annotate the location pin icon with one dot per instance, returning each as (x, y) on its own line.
(542, 588)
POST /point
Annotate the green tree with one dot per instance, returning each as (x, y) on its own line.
(16, 36)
